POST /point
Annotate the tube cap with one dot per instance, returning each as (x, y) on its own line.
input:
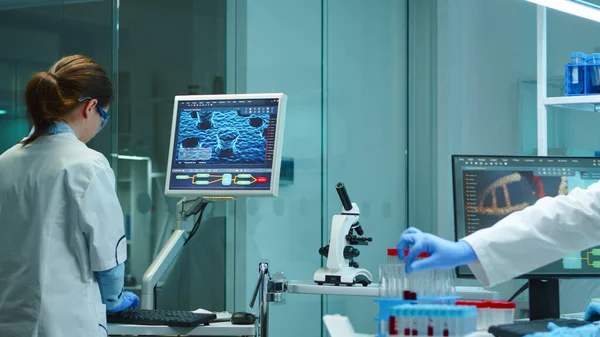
(578, 55)
(423, 254)
(593, 58)
(466, 302)
(392, 252)
(501, 305)
(477, 304)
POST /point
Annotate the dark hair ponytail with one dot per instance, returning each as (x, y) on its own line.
(44, 103)
(51, 95)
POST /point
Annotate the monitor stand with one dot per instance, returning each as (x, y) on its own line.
(544, 301)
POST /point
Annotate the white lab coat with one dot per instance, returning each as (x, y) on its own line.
(545, 232)
(60, 220)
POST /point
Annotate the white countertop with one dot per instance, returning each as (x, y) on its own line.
(310, 287)
(214, 329)
(372, 290)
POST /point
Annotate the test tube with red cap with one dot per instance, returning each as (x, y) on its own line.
(430, 317)
(401, 276)
(393, 267)
(392, 254)
(383, 280)
(388, 275)
(424, 279)
(482, 308)
(406, 292)
(500, 312)
(414, 314)
(418, 282)
(446, 328)
(442, 283)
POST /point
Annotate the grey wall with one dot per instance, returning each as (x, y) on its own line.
(343, 66)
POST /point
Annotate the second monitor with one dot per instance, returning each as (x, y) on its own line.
(226, 145)
(489, 188)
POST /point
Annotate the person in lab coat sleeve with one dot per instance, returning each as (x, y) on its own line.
(62, 242)
(550, 229)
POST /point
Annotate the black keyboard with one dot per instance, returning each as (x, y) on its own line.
(160, 317)
(523, 328)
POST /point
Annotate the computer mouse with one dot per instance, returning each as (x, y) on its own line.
(242, 318)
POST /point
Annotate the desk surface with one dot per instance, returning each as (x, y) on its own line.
(310, 287)
(372, 290)
(214, 329)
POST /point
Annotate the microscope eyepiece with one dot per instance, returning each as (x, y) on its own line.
(344, 198)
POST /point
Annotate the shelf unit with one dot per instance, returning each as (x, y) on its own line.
(582, 103)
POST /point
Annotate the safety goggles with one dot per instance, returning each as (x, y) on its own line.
(103, 113)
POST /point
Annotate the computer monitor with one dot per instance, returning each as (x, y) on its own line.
(226, 145)
(489, 188)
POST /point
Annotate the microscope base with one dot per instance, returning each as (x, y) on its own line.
(345, 276)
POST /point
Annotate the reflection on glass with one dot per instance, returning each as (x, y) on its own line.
(183, 54)
(155, 62)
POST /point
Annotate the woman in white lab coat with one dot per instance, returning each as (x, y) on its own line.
(62, 242)
(550, 229)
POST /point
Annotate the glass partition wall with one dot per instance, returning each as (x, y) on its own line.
(343, 65)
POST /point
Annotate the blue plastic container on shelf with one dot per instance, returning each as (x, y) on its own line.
(575, 75)
(593, 74)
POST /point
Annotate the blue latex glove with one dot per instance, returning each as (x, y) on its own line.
(443, 254)
(111, 285)
(111, 289)
(592, 311)
(128, 300)
(589, 330)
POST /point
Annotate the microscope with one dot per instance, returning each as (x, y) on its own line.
(340, 253)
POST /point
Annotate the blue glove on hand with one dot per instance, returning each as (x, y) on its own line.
(443, 254)
(592, 311)
(589, 330)
(127, 301)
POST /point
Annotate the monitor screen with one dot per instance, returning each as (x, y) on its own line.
(488, 188)
(226, 145)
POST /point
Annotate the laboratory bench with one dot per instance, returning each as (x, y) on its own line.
(214, 329)
(372, 290)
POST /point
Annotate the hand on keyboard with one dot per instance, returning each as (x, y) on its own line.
(592, 312)
(588, 330)
(129, 301)
(552, 327)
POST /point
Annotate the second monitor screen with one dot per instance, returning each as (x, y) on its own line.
(487, 189)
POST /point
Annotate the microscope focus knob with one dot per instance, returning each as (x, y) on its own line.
(358, 228)
(324, 251)
(351, 252)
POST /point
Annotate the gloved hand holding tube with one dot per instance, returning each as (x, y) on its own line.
(443, 254)
(111, 288)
